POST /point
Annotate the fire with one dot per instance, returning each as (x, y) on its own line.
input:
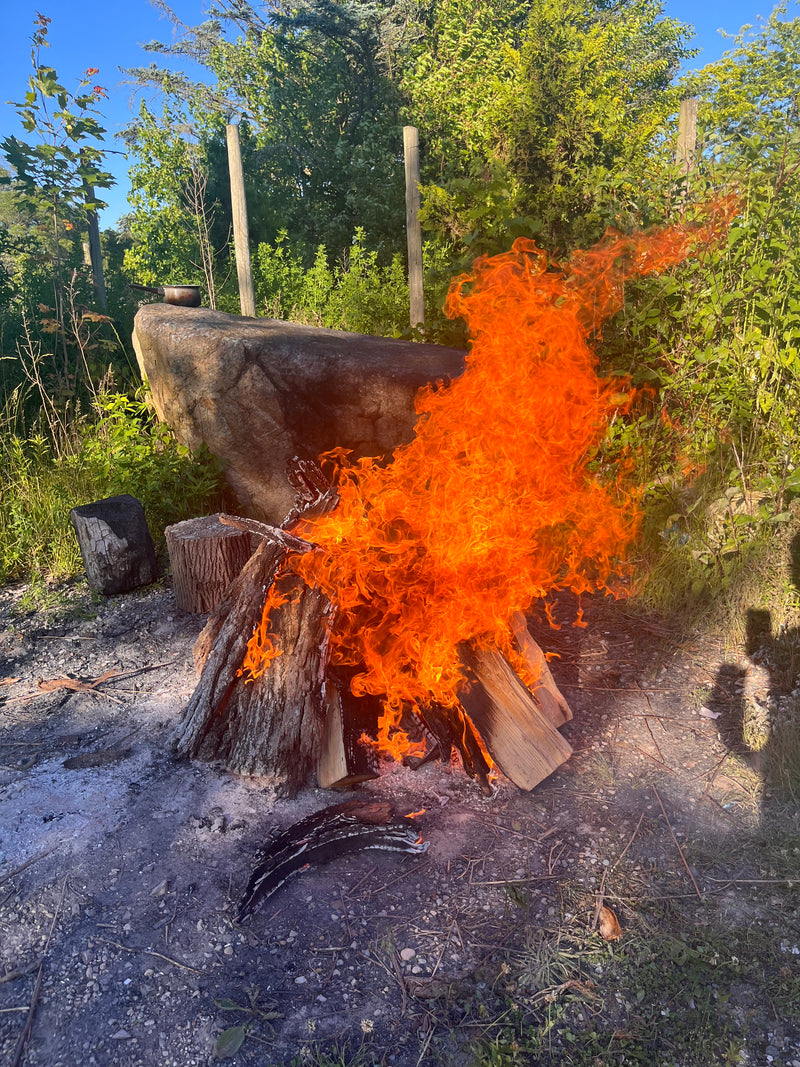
(493, 505)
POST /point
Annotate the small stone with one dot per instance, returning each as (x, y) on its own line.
(407, 954)
(120, 1035)
(300, 980)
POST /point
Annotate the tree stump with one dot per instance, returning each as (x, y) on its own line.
(206, 556)
(115, 543)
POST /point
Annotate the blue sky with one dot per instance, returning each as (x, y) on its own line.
(108, 34)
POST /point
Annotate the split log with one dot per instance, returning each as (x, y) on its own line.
(520, 738)
(206, 556)
(345, 760)
(544, 690)
(115, 544)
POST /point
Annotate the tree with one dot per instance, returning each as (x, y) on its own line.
(321, 127)
(50, 178)
(556, 99)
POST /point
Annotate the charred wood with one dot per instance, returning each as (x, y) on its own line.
(336, 831)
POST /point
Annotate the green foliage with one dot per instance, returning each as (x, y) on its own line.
(540, 106)
(123, 450)
(358, 294)
(320, 119)
(66, 157)
(718, 338)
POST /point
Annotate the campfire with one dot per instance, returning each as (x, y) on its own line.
(387, 615)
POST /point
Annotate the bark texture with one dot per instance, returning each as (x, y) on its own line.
(115, 544)
(272, 726)
(206, 556)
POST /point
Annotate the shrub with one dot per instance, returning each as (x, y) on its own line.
(121, 449)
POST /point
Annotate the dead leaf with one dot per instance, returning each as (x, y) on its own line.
(8, 681)
(77, 685)
(97, 759)
(609, 926)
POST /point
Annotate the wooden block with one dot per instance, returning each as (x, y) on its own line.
(545, 691)
(115, 543)
(206, 556)
(519, 737)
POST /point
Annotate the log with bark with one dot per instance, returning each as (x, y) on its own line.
(206, 556)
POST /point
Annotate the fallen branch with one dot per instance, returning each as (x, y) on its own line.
(269, 533)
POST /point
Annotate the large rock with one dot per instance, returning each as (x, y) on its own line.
(258, 391)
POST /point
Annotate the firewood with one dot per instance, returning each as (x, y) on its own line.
(520, 739)
(115, 544)
(328, 834)
(345, 761)
(545, 690)
(453, 729)
(206, 556)
(270, 533)
(272, 725)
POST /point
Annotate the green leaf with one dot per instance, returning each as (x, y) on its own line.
(229, 1042)
(229, 1005)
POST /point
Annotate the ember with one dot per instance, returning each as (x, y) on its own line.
(493, 505)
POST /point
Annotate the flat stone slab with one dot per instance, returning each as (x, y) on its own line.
(258, 392)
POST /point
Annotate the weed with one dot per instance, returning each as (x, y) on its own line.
(121, 450)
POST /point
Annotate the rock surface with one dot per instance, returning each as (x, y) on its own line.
(259, 391)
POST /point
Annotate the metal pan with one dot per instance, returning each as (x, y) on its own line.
(187, 296)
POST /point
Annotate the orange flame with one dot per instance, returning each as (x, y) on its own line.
(492, 506)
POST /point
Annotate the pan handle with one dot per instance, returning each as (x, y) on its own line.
(146, 288)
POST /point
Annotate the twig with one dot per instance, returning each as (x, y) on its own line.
(269, 533)
(630, 842)
(677, 845)
(150, 952)
(599, 898)
(11, 976)
(520, 881)
(755, 881)
(26, 1030)
(22, 866)
(401, 978)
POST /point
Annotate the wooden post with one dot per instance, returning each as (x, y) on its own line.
(687, 135)
(241, 241)
(413, 229)
(95, 251)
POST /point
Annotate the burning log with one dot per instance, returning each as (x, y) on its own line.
(510, 720)
(415, 581)
(273, 725)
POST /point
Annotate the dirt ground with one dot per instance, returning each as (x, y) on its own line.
(121, 866)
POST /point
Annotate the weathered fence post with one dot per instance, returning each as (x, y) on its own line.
(95, 252)
(413, 229)
(687, 135)
(241, 241)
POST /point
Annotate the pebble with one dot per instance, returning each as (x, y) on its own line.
(120, 1035)
(407, 954)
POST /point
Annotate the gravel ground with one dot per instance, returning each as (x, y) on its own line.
(121, 866)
